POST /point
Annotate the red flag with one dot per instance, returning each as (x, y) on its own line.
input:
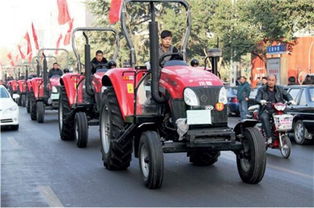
(35, 37)
(29, 45)
(9, 55)
(21, 52)
(67, 36)
(30, 56)
(63, 16)
(115, 11)
(58, 43)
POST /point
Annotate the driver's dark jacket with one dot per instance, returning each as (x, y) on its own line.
(96, 63)
(281, 95)
(54, 72)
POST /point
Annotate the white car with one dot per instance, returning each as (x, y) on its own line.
(9, 111)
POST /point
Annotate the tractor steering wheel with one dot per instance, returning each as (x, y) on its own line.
(100, 66)
(161, 59)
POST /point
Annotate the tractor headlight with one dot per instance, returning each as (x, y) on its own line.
(190, 98)
(223, 96)
(54, 89)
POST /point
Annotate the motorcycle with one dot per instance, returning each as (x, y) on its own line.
(281, 124)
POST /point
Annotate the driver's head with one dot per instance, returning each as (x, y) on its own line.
(55, 66)
(271, 80)
(99, 55)
(166, 38)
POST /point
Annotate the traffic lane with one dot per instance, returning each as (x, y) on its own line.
(47, 170)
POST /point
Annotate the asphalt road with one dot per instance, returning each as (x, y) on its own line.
(38, 169)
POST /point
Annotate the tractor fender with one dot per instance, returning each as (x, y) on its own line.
(239, 127)
(122, 81)
(38, 87)
(73, 84)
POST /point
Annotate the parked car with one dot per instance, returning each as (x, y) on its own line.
(303, 122)
(9, 111)
(233, 103)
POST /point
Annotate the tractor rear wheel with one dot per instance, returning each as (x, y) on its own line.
(251, 161)
(116, 155)
(81, 129)
(204, 158)
(32, 104)
(151, 159)
(40, 113)
(65, 118)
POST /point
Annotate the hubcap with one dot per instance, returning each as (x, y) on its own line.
(285, 147)
(299, 132)
(245, 160)
(144, 157)
(105, 130)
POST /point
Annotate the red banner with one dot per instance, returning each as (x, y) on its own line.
(9, 55)
(29, 45)
(58, 43)
(63, 16)
(67, 36)
(21, 52)
(35, 37)
(115, 11)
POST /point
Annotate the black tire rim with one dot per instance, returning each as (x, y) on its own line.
(145, 162)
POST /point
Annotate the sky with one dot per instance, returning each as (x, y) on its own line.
(16, 17)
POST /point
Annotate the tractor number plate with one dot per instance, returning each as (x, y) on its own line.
(196, 117)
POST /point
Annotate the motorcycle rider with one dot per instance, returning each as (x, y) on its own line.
(266, 96)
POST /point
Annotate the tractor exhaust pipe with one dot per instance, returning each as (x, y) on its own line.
(214, 54)
(154, 56)
(38, 68)
(45, 74)
(26, 73)
(88, 68)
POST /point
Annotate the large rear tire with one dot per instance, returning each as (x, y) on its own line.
(251, 161)
(204, 158)
(151, 159)
(40, 111)
(115, 155)
(65, 118)
(33, 109)
(81, 129)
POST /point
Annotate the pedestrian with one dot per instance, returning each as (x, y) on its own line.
(243, 94)
(264, 81)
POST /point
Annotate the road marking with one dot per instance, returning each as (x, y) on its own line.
(50, 196)
(232, 158)
(13, 143)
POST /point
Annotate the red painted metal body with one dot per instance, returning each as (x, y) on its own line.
(73, 83)
(13, 85)
(174, 79)
(37, 85)
(21, 86)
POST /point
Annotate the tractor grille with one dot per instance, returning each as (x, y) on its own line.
(209, 96)
(6, 120)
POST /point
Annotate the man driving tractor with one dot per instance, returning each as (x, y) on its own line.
(55, 71)
(166, 46)
(98, 61)
(266, 96)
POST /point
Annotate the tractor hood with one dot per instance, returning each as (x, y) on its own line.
(176, 78)
(55, 81)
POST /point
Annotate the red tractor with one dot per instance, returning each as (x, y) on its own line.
(29, 89)
(22, 85)
(12, 86)
(170, 108)
(44, 91)
(80, 96)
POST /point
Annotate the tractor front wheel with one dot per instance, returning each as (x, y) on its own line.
(40, 115)
(251, 160)
(116, 155)
(33, 110)
(151, 159)
(81, 129)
